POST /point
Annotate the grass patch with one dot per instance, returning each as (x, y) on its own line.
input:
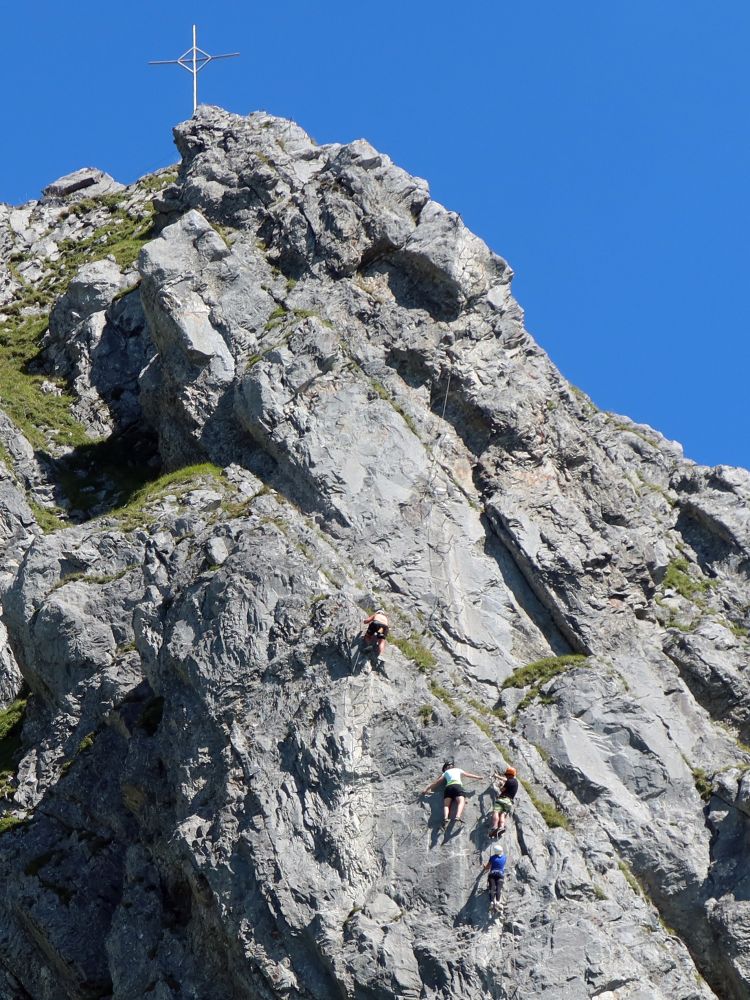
(425, 714)
(303, 549)
(504, 751)
(732, 735)
(99, 581)
(157, 182)
(11, 723)
(496, 713)
(41, 417)
(86, 743)
(10, 823)
(7, 460)
(541, 671)
(656, 488)
(445, 697)
(675, 623)
(135, 513)
(226, 234)
(122, 237)
(277, 523)
(478, 706)
(703, 783)
(45, 418)
(126, 291)
(311, 313)
(413, 649)
(238, 508)
(11, 719)
(535, 694)
(549, 812)
(481, 724)
(277, 316)
(535, 675)
(627, 429)
(380, 390)
(48, 518)
(738, 630)
(584, 399)
(677, 577)
(630, 878)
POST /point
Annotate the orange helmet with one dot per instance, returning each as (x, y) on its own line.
(510, 771)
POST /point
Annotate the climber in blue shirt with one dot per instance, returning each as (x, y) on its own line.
(496, 868)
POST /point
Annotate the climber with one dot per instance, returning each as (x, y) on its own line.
(454, 791)
(375, 635)
(505, 789)
(496, 868)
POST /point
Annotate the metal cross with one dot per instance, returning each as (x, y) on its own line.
(193, 61)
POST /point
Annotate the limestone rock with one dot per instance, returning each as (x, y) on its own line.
(99, 343)
(217, 792)
(89, 179)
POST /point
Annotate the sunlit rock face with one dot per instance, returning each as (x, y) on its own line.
(270, 393)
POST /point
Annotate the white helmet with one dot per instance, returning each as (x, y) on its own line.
(496, 849)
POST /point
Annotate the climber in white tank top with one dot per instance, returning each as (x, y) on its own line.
(454, 791)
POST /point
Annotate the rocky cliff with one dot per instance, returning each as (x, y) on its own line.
(245, 403)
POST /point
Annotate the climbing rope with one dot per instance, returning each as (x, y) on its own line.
(431, 473)
(443, 550)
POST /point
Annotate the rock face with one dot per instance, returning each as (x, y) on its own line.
(90, 180)
(213, 793)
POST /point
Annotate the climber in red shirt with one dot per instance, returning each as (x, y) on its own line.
(506, 790)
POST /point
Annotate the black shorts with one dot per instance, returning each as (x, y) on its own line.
(454, 792)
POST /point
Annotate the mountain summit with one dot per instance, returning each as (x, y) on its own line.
(246, 403)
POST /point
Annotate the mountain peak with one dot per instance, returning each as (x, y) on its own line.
(249, 403)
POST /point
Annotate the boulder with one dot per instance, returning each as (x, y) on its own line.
(90, 180)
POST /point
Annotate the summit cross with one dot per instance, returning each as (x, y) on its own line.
(193, 61)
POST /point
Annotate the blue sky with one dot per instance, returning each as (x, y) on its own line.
(601, 147)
